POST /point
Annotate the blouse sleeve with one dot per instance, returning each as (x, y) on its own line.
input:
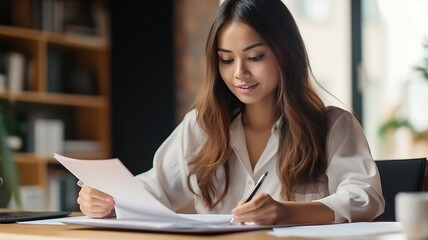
(353, 178)
(167, 180)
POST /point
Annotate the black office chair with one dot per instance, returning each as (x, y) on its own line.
(404, 175)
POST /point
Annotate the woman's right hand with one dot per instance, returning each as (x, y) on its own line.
(95, 203)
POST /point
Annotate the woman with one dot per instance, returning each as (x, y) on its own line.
(258, 111)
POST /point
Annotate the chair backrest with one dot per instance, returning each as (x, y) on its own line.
(403, 175)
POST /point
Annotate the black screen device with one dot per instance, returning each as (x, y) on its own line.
(21, 216)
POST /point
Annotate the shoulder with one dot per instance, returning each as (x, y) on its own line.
(334, 113)
(191, 125)
(338, 116)
(190, 116)
(345, 137)
(343, 126)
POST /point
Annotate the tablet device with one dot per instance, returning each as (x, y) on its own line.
(20, 216)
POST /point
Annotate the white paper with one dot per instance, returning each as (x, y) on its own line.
(51, 221)
(135, 207)
(338, 230)
(132, 200)
(166, 226)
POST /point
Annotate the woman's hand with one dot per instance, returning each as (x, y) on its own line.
(94, 203)
(262, 209)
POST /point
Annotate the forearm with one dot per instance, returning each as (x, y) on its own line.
(305, 213)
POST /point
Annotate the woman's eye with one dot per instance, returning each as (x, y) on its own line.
(257, 58)
(226, 61)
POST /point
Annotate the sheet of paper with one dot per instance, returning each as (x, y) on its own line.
(132, 200)
(53, 221)
(164, 226)
(338, 230)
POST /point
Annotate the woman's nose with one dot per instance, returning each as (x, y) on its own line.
(242, 72)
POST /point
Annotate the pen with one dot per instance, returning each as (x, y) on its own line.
(254, 191)
(79, 183)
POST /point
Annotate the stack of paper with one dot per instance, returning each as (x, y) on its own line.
(328, 231)
(135, 207)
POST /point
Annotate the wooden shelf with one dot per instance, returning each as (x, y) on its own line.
(55, 99)
(77, 41)
(24, 33)
(52, 62)
(94, 43)
(23, 158)
(31, 158)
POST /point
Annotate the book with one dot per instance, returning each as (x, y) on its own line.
(46, 7)
(53, 189)
(2, 71)
(48, 136)
(2, 82)
(61, 64)
(32, 198)
(62, 189)
(29, 79)
(15, 71)
(22, 13)
(81, 146)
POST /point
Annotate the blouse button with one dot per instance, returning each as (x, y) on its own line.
(250, 182)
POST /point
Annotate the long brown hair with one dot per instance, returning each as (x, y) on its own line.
(301, 153)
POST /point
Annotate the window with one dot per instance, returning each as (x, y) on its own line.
(395, 95)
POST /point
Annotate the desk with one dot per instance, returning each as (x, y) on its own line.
(59, 232)
(17, 231)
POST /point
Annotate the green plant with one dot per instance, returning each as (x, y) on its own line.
(8, 169)
(424, 69)
(395, 123)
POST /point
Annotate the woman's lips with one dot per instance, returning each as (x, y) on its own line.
(247, 87)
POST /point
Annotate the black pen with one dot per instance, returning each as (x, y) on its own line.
(258, 184)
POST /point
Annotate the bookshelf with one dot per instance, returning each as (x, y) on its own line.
(66, 78)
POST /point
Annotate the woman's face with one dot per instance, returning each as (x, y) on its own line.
(247, 64)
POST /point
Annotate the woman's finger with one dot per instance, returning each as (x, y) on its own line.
(95, 203)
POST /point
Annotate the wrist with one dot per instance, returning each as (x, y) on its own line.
(304, 213)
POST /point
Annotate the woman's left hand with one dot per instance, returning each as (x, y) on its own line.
(262, 209)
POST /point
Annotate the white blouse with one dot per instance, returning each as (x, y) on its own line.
(351, 187)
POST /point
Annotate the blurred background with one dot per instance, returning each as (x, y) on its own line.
(99, 79)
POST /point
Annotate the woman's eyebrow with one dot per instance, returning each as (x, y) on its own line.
(244, 49)
(252, 46)
(223, 50)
